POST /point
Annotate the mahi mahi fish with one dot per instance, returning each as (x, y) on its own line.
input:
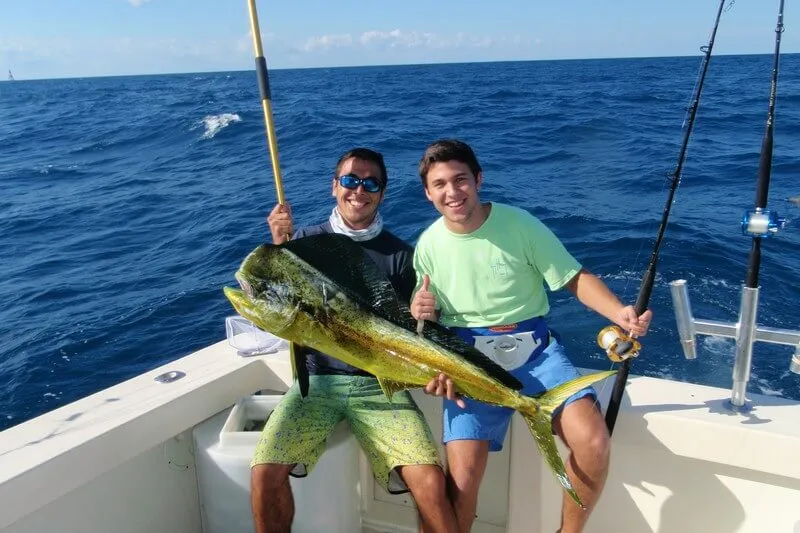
(324, 292)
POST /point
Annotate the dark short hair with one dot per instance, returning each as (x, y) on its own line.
(364, 154)
(445, 150)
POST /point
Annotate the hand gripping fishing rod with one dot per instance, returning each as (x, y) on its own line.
(619, 346)
(298, 364)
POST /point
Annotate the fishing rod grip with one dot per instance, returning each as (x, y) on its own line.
(645, 289)
(616, 395)
(263, 78)
(266, 100)
(753, 264)
(764, 170)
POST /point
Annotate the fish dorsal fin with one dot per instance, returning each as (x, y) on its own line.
(346, 264)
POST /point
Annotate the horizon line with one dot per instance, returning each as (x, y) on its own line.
(370, 65)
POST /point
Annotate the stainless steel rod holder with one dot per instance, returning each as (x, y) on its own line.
(684, 318)
(746, 332)
(748, 310)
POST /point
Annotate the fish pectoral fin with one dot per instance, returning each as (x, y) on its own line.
(299, 369)
(389, 387)
(329, 294)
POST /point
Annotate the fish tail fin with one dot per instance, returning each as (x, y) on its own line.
(538, 414)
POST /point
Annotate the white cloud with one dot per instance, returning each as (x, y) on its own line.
(59, 57)
(51, 56)
(399, 38)
(138, 3)
(326, 42)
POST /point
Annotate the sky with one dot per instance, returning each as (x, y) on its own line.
(82, 38)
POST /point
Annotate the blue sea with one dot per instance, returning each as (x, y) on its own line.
(128, 202)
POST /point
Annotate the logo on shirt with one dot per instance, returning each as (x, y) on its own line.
(499, 269)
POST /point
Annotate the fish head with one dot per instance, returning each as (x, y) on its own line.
(267, 297)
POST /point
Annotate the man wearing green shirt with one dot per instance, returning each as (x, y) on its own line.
(481, 270)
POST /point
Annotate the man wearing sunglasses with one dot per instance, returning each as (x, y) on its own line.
(395, 437)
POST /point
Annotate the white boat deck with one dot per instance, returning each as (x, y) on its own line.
(123, 460)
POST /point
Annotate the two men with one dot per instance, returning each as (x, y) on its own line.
(480, 269)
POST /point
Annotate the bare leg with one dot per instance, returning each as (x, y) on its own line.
(271, 498)
(429, 489)
(583, 430)
(466, 464)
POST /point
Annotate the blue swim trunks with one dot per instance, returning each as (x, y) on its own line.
(546, 367)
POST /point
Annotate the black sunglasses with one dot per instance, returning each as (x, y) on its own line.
(370, 183)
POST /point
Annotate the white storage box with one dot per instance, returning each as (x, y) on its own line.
(326, 500)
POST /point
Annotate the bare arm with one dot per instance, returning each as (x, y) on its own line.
(594, 294)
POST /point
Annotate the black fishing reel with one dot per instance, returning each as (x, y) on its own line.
(618, 344)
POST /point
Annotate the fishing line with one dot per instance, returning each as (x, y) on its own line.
(687, 121)
(634, 265)
(619, 345)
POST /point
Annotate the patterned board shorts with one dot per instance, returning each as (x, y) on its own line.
(392, 434)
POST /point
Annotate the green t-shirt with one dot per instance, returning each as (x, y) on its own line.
(494, 275)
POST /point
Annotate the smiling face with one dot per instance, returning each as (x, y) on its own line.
(453, 189)
(357, 206)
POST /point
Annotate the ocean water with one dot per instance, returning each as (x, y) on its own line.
(128, 202)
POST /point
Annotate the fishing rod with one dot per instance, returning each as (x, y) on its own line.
(757, 223)
(619, 346)
(759, 217)
(266, 100)
(299, 370)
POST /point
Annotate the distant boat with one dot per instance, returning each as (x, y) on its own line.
(10, 76)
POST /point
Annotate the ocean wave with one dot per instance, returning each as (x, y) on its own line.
(213, 124)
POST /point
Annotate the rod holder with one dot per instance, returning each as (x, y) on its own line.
(746, 332)
(744, 346)
(684, 318)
